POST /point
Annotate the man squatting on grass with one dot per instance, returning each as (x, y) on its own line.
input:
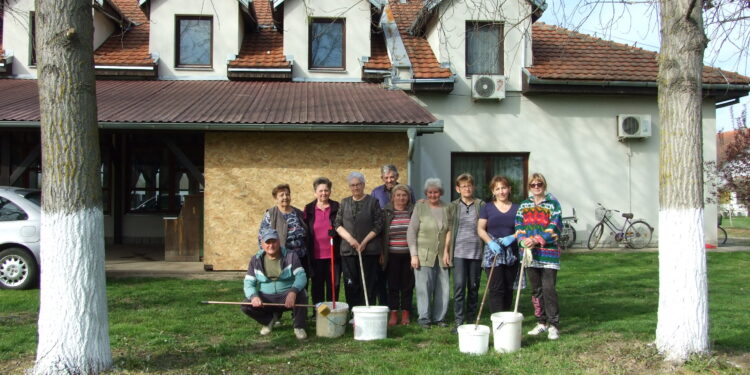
(465, 250)
(275, 275)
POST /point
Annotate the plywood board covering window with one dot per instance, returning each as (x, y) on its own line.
(327, 44)
(194, 36)
(484, 48)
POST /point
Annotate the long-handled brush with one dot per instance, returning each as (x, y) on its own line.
(322, 309)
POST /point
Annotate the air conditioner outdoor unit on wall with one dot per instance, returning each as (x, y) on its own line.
(486, 86)
(633, 126)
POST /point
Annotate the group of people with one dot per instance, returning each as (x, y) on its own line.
(384, 245)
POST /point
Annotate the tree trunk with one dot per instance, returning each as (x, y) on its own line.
(73, 326)
(682, 327)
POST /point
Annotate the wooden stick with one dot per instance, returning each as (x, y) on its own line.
(486, 288)
(250, 303)
(520, 280)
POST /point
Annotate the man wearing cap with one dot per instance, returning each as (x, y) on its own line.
(275, 275)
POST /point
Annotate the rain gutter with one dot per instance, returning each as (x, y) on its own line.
(433, 127)
(122, 67)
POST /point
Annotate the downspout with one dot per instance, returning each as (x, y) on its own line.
(412, 134)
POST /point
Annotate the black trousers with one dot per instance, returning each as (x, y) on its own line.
(320, 284)
(544, 295)
(353, 280)
(466, 277)
(264, 314)
(501, 287)
(400, 282)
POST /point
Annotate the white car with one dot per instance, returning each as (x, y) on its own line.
(20, 215)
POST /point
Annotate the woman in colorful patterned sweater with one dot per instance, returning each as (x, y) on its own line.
(538, 226)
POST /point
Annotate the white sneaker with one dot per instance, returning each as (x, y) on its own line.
(540, 328)
(276, 320)
(553, 333)
(265, 330)
(300, 333)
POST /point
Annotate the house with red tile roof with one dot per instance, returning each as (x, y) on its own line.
(226, 99)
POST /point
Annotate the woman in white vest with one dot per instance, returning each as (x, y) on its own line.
(427, 237)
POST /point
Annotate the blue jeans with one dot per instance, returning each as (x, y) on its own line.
(466, 277)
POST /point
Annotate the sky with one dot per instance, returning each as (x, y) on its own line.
(637, 24)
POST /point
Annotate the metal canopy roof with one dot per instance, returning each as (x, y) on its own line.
(216, 105)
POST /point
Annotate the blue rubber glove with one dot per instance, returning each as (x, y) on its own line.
(507, 240)
(494, 247)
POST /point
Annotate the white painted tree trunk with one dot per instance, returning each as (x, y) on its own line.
(73, 326)
(682, 327)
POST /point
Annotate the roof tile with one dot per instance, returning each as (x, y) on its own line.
(563, 54)
(263, 49)
(423, 60)
(263, 12)
(130, 48)
(378, 53)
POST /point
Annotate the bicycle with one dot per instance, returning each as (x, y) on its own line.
(721, 234)
(637, 234)
(568, 232)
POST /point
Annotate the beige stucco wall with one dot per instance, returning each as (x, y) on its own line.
(241, 169)
(225, 35)
(446, 34)
(357, 39)
(16, 36)
(103, 28)
(572, 140)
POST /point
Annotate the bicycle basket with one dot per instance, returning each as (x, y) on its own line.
(601, 212)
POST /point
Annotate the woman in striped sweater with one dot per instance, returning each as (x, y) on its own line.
(538, 225)
(396, 256)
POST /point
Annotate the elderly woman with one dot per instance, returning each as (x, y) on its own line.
(428, 238)
(359, 223)
(288, 222)
(319, 216)
(538, 226)
(496, 227)
(396, 255)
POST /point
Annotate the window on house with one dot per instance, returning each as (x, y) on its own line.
(483, 166)
(484, 48)
(327, 38)
(32, 39)
(194, 41)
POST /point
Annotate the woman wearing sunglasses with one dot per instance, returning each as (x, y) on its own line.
(538, 226)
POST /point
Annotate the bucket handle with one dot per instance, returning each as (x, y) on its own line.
(335, 323)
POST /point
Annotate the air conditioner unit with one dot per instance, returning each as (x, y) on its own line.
(485, 86)
(633, 126)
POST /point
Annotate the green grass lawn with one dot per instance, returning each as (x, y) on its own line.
(737, 222)
(608, 307)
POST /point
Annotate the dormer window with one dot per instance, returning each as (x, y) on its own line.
(194, 41)
(327, 44)
(484, 48)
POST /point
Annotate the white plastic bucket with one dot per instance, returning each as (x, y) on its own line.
(370, 322)
(473, 339)
(506, 329)
(333, 324)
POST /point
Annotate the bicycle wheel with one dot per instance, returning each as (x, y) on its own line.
(638, 234)
(568, 236)
(595, 236)
(722, 236)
